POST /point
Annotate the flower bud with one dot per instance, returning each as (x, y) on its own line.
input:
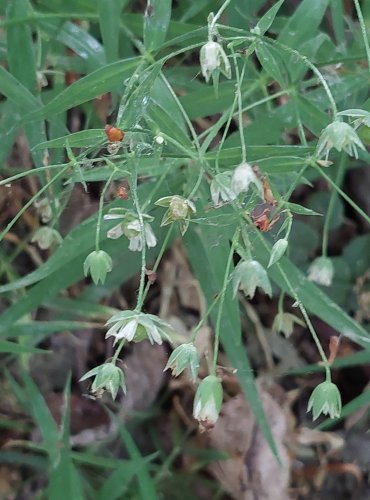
(208, 402)
(321, 271)
(98, 264)
(248, 275)
(46, 236)
(284, 322)
(184, 356)
(325, 399)
(213, 59)
(107, 377)
(277, 251)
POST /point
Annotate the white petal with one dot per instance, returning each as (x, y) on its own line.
(136, 244)
(151, 240)
(128, 331)
(115, 232)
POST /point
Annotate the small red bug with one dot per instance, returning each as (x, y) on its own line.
(114, 134)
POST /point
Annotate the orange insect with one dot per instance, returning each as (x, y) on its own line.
(114, 134)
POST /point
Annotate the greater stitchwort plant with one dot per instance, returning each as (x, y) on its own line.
(230, 144)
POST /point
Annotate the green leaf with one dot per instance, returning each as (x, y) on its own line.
(271, 63)
(16, 92)
(303, 24)
(21, 56)
(300, 209)
(14, 348)
(84, 138)
(43, 418)
(130, 112)
(89, 87)
(109, 20)
(78, 40)
(156, 20)
(267, 19)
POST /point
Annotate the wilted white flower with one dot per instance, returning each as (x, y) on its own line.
(184, 356)
(214, 59)
(321, 271)
(248, 275)
(208, 402)
(221, 188)
(107, 377)
(44, 209)
(179, 210)
(242, 177)
(137, 326)
(342, 137)
(46, 236)
(325, 399)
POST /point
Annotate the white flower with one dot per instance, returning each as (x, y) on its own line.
(321, 271)
(131, 228)
(134, 326)
(208, 402)
(136, 241)
(243, 177)
(213, 59)
(342, 137)
(221, 188)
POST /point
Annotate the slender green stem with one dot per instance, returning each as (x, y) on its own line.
(159, 257)
(333, 197)
(239, 78)
(31, 201)
(222, 299)
(100, 213)
(342, 193)
(118, 351)
(140, 296)
(363, 31)
(217, 17)
(206, 315)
